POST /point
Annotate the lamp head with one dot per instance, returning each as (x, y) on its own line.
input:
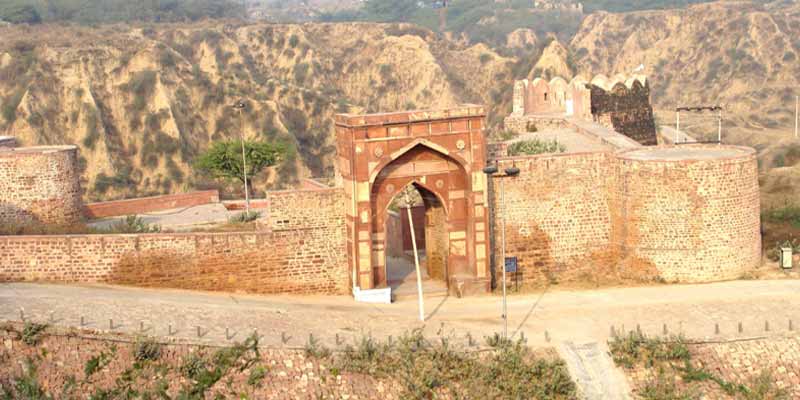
(512, 171)
(490, 169)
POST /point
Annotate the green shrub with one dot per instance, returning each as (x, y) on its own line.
(485, 58)
(789, 213)
(257, 375)
(98, 362)
(293, 41)
(244, 217)
(534, 147)
(301, 72)
(240, 356)
(193, 366)
(145, 349)
(635, 348)
(133, 224)
(314, 349)
(32, 333)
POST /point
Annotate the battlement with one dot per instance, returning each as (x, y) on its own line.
(621, 103)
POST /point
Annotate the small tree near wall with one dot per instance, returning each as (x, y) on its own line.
(223, 160)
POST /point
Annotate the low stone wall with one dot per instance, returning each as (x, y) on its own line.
(302, 250)
(149, 204)
(293, 261)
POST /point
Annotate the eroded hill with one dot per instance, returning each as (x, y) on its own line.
(142, 102)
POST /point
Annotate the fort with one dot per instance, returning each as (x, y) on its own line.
(610, 202)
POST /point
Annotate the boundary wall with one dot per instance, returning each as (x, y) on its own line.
(301, 251)
(142, 205)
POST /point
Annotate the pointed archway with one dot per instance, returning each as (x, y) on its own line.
(439, 152)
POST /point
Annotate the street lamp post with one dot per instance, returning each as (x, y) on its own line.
(511, 172)
(240, 105)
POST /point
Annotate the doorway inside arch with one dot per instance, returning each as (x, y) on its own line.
(429, 220)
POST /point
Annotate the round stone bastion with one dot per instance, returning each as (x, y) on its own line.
(690, 211)
(39, 185)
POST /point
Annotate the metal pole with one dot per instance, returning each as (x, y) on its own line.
(244, 163)
(416, 260)
(719, 128)
(677, 125)
(503, 244)
(796, 114)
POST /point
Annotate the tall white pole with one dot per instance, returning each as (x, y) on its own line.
(719, 128)
(244, 163)
(503, 243)
(416, 260)
(796, 114)
(677, 125)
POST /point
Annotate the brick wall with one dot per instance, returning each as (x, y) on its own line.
(293, 261)
(684, 214)
(302, 250)
(557, 214)
(696, 220)
(299, 209)
(40, 185)
(149, 204)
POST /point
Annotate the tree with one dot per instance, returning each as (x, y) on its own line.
(17, 13)
(223, 160)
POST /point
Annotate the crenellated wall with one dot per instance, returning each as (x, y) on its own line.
(621, 103)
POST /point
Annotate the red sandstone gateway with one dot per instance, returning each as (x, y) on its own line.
(441, 153)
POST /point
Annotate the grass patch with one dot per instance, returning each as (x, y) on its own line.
(244, 217)
(671, 359)
(32, 333)
(146, 349)
(534, 147)
(427, 369)
(132, 224)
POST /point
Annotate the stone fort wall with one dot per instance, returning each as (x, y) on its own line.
(632, 215)
(39, 185)
(301, 251)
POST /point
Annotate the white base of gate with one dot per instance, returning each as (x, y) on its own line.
(381, 296)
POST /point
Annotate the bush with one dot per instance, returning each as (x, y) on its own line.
(314, 349)
(32, 333)
(535, 146)
(636, 348)
(293, 41)
(146, 350)
(244, 217)
(133, 224)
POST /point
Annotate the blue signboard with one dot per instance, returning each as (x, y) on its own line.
(511, 265)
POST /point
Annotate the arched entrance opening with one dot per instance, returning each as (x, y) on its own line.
(417, 207)
(438, 152)
(437, 180)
